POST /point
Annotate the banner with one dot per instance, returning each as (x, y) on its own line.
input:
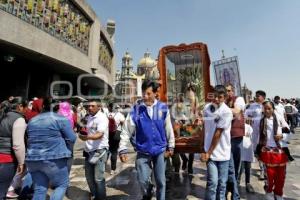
(227, 71)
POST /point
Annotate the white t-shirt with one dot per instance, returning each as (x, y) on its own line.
(270, 131)
(220, 118)
(279, 110)
(119, 117)
(240, 103)
(255, 113)
(97, 123)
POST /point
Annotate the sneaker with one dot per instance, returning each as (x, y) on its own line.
(262, 176)
(279, 197)
(249, 188)
(150, 193)
(11, 195)
(270, 196)
(291, 158)
(112, 172)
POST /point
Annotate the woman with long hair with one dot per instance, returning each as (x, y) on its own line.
(12, 145)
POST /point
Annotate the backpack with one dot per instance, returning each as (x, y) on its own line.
(112, 125)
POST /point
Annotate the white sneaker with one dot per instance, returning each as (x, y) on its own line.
(112, 172)
(261, 176)
(279, 197)
(270, 196)
(11, 195)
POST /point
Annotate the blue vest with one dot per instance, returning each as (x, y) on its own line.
(150, 133)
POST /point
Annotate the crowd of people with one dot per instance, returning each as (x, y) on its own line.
(37, 140)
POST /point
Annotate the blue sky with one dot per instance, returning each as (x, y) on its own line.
(264, 34)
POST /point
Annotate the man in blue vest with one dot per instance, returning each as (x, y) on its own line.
(150, 121)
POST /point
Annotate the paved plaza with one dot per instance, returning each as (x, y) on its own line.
(123, 185)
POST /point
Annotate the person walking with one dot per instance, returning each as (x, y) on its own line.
(271, 152)
(50, 137)
(154, 140)
(96, 149)
(217, 125)
(237, 106)
(255, 113)
(291, 112)
(115, 125)
(247, 157)
(12, 145)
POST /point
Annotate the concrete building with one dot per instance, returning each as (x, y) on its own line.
(54, 47)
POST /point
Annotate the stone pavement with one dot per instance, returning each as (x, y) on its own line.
(123, 185)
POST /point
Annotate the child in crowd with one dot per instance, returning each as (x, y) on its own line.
(247, 157)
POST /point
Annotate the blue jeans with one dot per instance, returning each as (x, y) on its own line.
(236, 150)
(7, 173)
(27, 187)
(49, 171)
(145, 164)
(232, 185)
(95, 177)
(217, 176)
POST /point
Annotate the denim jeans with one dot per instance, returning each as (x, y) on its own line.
(217, 175)
(232, 185)
(145, 164)
(7, 173)
(95, 177)
(236, 150)
(49, 171)
(70, 146)
(27, 187)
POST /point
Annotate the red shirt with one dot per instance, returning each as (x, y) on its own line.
(6, 158)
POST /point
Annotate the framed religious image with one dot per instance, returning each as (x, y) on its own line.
(227, 71)
(185, 85)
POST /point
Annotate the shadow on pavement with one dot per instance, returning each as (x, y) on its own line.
(181, 186)
(250, 196)
(74, 192)
(119, 197)
(125, 182)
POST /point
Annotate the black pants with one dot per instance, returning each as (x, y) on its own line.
(113, 149)
(247, 167)
(291, 121)
(176, 162)
(7, 173)
(188, 161)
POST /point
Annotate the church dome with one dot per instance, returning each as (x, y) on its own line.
(127, 56)
(147, 61)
